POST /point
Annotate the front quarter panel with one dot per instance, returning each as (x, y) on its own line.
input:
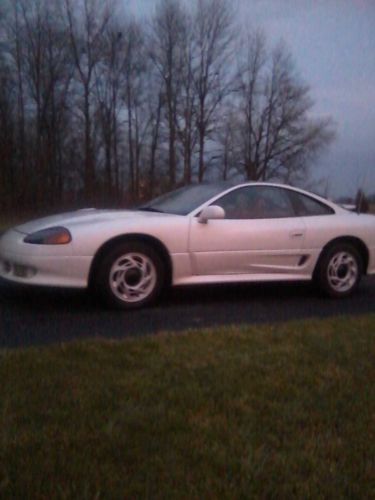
(171, 231)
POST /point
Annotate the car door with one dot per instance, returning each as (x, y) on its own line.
(260, 234)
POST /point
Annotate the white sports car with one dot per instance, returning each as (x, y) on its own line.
(195, 235)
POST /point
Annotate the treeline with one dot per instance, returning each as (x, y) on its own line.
(97, 107)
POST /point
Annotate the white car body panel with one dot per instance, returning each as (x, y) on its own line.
(246, 247)
(89, 232)
(220, 251)
(320, 231)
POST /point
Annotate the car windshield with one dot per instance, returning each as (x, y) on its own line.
(184, 200)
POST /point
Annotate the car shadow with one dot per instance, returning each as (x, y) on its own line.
(38, 298)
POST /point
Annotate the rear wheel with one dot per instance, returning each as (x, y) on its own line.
(131, 275)
(339, 270)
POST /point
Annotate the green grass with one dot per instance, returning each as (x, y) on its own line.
(282, 411)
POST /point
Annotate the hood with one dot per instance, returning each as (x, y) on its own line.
(85, 216)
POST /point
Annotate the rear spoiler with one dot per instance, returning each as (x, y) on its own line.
(350, 207)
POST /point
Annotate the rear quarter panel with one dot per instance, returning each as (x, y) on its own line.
(321, 230)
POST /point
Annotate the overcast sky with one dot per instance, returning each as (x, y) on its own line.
(333, 45)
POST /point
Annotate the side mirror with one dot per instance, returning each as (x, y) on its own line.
(211, 212)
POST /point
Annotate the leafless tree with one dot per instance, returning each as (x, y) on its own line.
(8, 173)
(214, 44)
(278, 134)
(186, 113)
(48, 73)
(361, 202)
(135, 74)
(166, 52)
(86, 27)
(155, 111)
(37, 59)
(226, 154)
(109, 81)
(98, 107)
(11, 27)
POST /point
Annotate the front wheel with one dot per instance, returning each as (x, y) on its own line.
(130, 276)
(339, 270)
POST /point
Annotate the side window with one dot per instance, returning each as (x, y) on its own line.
(256, 202)
(276, 203)
(306, 206)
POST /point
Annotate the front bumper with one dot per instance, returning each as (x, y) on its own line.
(41, 264)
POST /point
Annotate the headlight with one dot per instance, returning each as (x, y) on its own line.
(50, 236)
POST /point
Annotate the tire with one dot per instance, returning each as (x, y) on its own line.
(131, 275)
(339, 270)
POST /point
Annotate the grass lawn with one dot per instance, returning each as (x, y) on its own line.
(282, 411)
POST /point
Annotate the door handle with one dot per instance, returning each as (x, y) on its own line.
(296, 234)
